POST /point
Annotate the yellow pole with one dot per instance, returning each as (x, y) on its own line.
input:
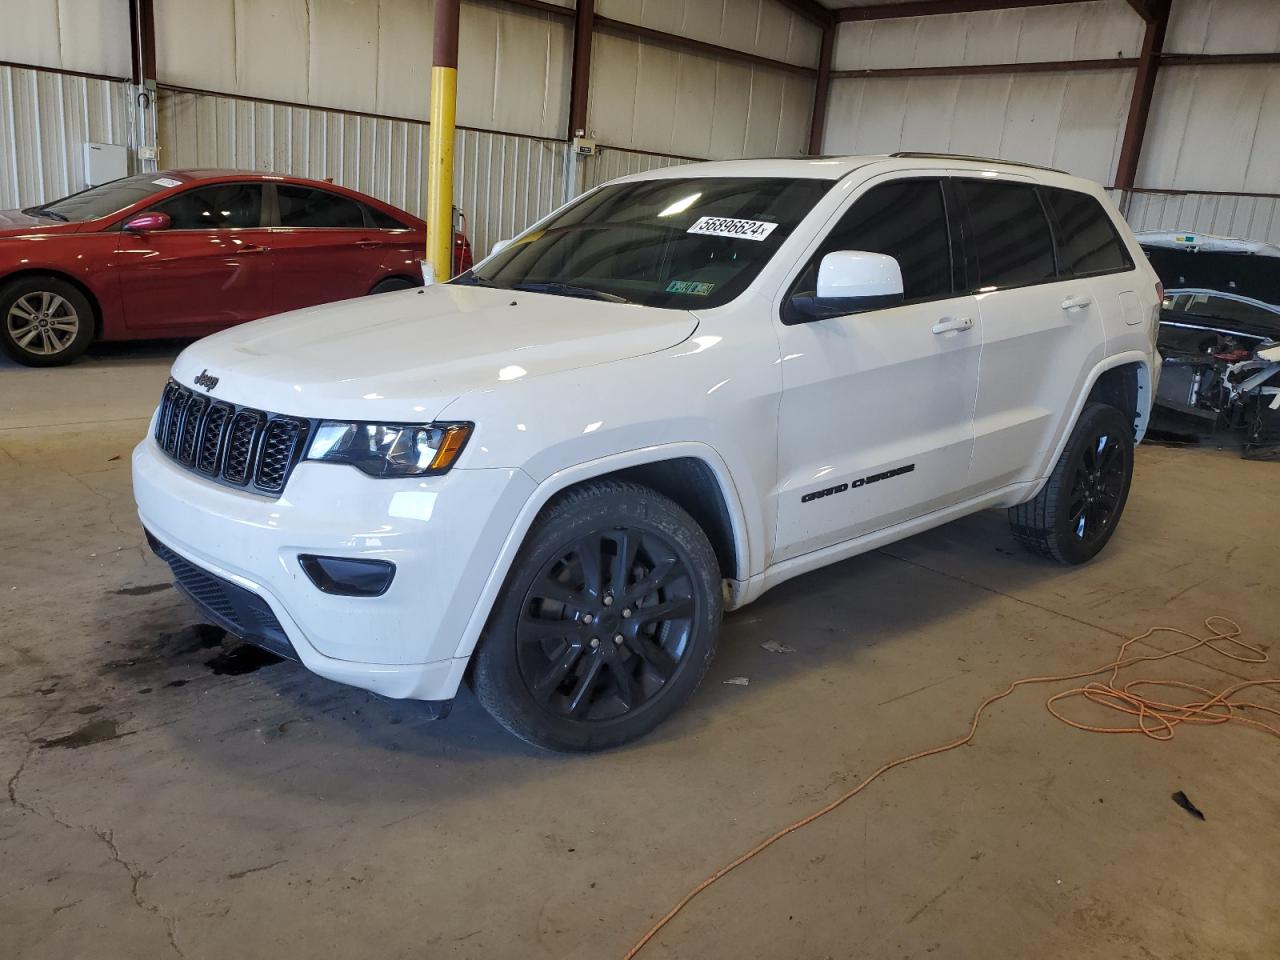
(444, 101)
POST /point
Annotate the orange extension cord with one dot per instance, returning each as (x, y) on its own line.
(1155, 719)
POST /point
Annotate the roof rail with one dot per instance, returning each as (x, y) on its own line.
(925, 155)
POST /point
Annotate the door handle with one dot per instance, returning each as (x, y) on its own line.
(366, 244)
(250, 248)
(1076, 303)
(951, 324)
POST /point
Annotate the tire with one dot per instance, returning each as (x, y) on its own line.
(562, 667)
(391, 284)
(44, 321)
(1077, 512)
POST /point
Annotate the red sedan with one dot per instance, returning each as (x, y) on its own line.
(184, 253)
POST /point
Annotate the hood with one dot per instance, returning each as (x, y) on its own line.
(407, 355)
(15, 223)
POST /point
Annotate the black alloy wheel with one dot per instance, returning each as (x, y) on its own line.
(1097, 489)
(607, 622)
(1076, 512)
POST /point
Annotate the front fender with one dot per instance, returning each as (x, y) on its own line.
(746, 527)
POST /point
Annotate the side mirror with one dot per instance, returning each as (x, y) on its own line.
(146, 222)
(850, 281)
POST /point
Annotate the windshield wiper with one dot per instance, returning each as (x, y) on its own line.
(471, 280)
(557, 288)
(42, 212)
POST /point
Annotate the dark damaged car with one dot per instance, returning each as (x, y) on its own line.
(1220, 334)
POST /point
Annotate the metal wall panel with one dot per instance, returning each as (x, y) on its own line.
(610, 163)
(649, 97)
(1214, 128)
(763, 27)
(502, 182)
(1075, 31)
(45, 118)
(1224, 26)
(91, 36)
(1251, 218)
(1072, 121)
(371, 56)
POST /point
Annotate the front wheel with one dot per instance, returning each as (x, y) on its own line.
(607, 622)
(44, 321)
(1076, 513)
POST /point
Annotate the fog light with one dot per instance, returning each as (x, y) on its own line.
(347, 577)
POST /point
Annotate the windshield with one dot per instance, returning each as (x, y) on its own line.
(104, 199)
(681, 243)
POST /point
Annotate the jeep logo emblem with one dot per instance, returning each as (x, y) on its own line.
(206, 380)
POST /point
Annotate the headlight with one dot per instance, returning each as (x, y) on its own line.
(390, 449)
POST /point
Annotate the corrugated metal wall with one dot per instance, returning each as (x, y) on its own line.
(1252, 218)
(90, 36)
(45, 118)
(371, 56)
(1212, 128)
(503, 182)
(1072, 121)
(650, 97)
(1074, 31)
(1215, 128)
(611, 163)
(766, 28)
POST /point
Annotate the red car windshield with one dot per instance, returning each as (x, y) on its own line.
(102, 200)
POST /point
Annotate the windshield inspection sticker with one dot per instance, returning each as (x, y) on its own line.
(690, 286)
(728, 227)
(167, 182)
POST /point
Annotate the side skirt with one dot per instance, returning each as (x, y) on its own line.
(781, 572)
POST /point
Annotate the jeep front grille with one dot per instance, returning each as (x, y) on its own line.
(237, 446)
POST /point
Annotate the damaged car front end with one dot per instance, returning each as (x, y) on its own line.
(1219, 335)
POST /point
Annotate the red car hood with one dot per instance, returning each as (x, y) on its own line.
(15, 223)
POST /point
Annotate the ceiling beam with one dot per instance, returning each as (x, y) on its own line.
(580, 76)
(1218, 59)
(821, 90)
(988, 69)
(1144, 85)
(932, 8)
(680, 42)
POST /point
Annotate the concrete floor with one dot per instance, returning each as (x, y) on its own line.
(160, 803)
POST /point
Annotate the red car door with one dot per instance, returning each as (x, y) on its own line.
(326, 247)
(208, 270)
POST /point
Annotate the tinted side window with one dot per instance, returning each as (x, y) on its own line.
(222, 207)
(1008, 243)
(906, 220)
(1087, 239)
(384, 221)
(306, 207)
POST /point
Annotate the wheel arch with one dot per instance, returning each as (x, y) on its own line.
(94, 303)
(690, 473)
(406, 277)
(1125, 386)
(1123, 380)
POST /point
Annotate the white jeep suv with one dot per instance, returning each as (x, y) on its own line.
(552, 474)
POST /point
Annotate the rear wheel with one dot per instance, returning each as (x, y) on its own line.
(44, 321)
(607, 622)
(392, 284)
(1076, 513)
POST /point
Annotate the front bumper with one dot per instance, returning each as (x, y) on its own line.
(444, 535)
